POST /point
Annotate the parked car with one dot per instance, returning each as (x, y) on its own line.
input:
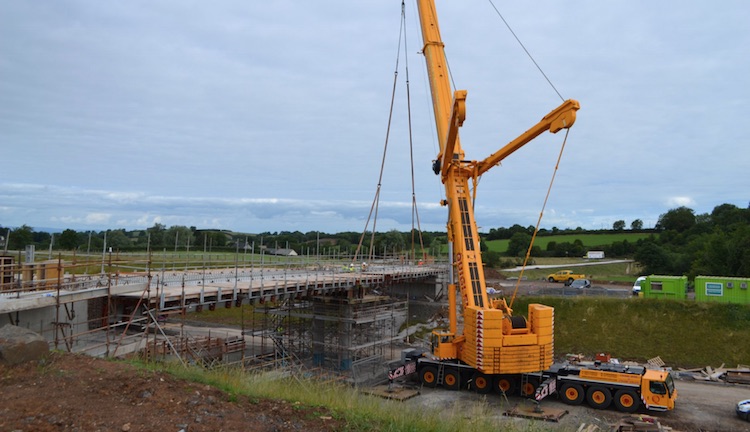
(743, 409)
(637, 285)
(580, 284)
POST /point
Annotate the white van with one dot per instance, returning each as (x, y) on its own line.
(637, 285)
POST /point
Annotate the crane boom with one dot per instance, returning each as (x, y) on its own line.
(494, 341)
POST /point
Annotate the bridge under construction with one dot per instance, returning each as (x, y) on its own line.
(328, 315)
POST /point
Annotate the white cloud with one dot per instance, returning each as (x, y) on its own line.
(265, 117)
(681, 201)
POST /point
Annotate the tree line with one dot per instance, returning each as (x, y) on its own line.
(182, 238)
(716, 243)
(710, 244)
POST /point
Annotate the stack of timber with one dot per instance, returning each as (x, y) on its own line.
(641, 423)
(738, 375)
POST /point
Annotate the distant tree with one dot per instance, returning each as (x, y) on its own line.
(490, 258)
(636, 225)
(519, 244)
(156, 234)
(724, 253)
(680, 219)
(118, 240)
(20, 237)
(68, 240)
(179, 237)
(392, 241)
(653, 258)
(726, 215)
(436, 246)
(618, 225)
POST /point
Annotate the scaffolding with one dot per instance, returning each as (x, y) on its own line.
(323, 318)
(353, 336)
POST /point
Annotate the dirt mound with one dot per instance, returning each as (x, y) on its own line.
(80, 393)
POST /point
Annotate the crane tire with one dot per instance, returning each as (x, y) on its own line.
(505, 384)
(529, 387)
(452, 379)
(598, 397)
(481, 383)
(428, 376)
(627, 401)
(571, 394)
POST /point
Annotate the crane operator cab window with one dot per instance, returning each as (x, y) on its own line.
(658, 388)
(440, 338)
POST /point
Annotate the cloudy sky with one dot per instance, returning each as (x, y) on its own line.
(272, 116)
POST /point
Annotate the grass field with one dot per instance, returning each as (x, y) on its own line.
(683, 333)
(622, 272)
(588, 240)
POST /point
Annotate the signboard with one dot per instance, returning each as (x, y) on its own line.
(714, 289)
(548, 387)
(403, 370)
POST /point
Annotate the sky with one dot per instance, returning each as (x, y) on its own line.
(273, 116)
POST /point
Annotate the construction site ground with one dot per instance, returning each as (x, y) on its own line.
(79, 393)
(700, 407)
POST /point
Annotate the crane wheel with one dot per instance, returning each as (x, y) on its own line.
(571, 394)
(598, 397)
(452, 379)
(428, 376)
(506, 385)
(627, 401)
(529, 387)
(481, 383)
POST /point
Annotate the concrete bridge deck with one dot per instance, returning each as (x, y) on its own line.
(179, 288)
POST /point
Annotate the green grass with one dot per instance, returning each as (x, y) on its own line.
(625, 272)
(588, 240)
(683, 333)
(360, 412)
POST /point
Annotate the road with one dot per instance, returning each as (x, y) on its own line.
(546, 266)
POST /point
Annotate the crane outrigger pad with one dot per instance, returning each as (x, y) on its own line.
(394, 392)
(536, 412)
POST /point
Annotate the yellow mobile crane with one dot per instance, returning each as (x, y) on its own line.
(496, 348)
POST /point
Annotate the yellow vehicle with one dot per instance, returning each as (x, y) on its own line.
(604, 384)
(495, 346)
(566, 276)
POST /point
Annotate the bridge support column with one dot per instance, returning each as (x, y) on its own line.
(318, 334)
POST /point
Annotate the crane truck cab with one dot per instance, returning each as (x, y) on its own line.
(603, 384)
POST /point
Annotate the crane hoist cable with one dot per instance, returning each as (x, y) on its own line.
(414, 209)
(526, 51)
(376, 200)
(539, 220)
(559, 156)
